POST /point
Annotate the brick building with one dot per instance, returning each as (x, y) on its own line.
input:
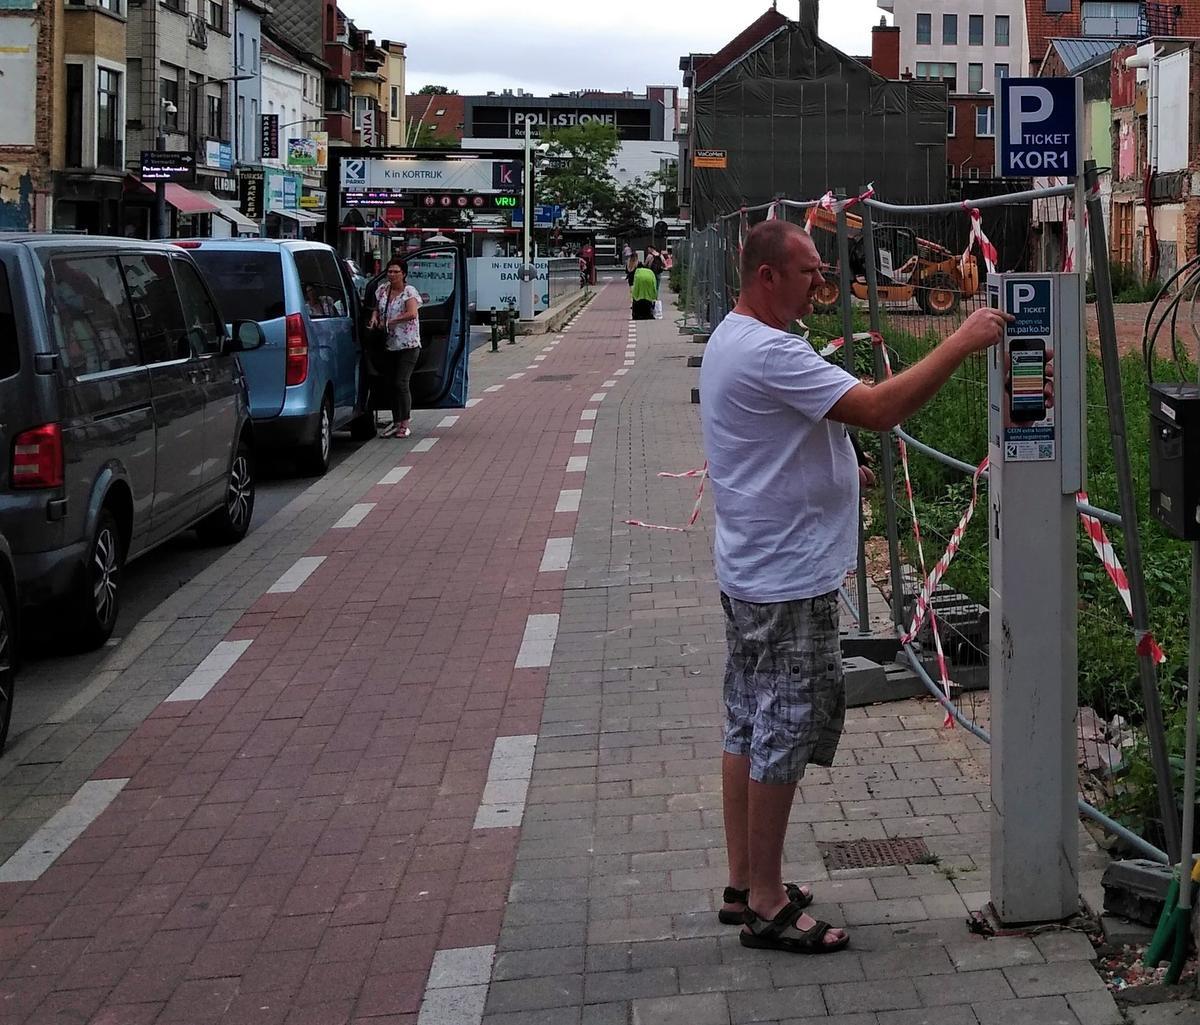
(1122, 19)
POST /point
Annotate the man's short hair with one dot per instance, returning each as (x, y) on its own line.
(767, 242)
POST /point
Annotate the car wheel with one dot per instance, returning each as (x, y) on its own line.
(229, 524)
(8, 663)
(314, 459)
(98, 596)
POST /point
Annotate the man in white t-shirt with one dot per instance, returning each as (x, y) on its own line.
(785, 484)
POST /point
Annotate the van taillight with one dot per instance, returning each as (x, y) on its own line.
(38, 458)
(186, 245)
(297, 350)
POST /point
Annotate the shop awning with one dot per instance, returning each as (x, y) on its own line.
(235, 216)
(301, 217)
(192, 201)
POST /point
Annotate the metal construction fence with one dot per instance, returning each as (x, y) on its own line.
(898, 280)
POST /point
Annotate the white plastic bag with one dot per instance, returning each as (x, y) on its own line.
(658, 309)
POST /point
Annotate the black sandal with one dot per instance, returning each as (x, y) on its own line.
(769, 935)
(731, 896)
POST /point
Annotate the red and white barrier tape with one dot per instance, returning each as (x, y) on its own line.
(824, 203)
(943, 668)
(772, 211)
(943, 564)
(990, 255)
(702, 473)
(859, 336)
(1146, 644)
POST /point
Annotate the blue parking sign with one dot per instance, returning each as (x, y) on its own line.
(1038, 130)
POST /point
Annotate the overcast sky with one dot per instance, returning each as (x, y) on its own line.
(548, 46)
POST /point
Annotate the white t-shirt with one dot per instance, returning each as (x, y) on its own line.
(784, 479)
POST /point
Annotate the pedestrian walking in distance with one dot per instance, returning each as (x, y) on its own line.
(643, 293)
(785, 484)
(396, 305)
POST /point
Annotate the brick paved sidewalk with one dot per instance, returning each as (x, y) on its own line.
(459, 763)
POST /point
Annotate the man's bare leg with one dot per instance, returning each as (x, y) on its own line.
(769, 805)
(735, 777)
(735, 784)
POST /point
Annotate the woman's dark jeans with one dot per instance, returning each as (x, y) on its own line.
(403, 363)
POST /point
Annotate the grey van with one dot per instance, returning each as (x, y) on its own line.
(123, 416)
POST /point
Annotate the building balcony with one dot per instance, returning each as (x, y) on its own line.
(340, 60)
(886, 5)
(339, 126)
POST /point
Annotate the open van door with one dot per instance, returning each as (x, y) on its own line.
(439, 273)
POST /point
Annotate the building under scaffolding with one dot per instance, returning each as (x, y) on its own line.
(795, 116)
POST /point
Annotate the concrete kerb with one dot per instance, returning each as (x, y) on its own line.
(556, 316)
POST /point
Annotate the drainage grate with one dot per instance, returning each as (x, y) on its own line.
(554, 377)
(873, 853)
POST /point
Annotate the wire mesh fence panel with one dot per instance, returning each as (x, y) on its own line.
(930, 268)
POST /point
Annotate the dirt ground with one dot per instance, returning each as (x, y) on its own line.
(1131, 320)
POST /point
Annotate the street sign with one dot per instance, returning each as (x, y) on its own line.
(167, 166)
(269, 136)
(544, 216)
(1039, 127)
(252, 194)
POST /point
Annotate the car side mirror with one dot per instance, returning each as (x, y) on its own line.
(247, 335)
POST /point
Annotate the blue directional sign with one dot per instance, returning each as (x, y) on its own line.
(544, 216)
(1038, 128)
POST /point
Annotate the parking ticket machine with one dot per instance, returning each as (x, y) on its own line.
(1036, 448)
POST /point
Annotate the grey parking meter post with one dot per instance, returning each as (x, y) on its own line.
(1036, 467)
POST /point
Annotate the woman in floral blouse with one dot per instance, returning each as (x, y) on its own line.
(396, 304)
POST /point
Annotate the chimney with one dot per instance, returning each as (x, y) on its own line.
(807, 18)
(885, 50)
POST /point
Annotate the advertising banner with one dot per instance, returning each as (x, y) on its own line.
(302, 152)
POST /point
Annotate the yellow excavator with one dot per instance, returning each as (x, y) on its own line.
(909, 267)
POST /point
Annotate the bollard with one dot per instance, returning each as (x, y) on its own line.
(512, 327)
(495, 332)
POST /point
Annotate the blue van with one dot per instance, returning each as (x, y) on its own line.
(307, 379)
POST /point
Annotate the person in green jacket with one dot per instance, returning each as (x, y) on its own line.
(644, 293)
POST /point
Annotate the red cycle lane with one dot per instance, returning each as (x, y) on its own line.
(294, 845)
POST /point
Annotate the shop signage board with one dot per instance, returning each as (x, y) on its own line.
(411, 173)
(269, 136)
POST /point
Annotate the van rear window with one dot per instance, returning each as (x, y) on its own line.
(247, 285)
(10, 353)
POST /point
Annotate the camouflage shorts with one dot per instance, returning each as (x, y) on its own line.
(785, 699)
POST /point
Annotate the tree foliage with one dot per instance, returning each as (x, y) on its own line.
(580, 176)
(436, 90)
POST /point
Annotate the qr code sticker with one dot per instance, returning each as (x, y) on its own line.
(1045, 451)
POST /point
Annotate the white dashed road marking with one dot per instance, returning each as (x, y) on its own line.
(208, 673)
(301, 570)
(557, 555)
(537, 645)
(354, 516)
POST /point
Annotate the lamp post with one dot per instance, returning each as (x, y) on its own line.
(528, 274)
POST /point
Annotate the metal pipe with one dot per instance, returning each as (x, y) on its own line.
(1103, 515)
(1189, 758)
(1143, 847)
(843, 243)
(886, 459)
(982, 203)
(1147, 670)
